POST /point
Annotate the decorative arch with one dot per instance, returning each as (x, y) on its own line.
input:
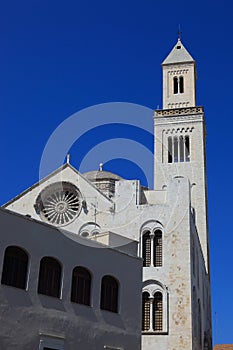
(154, 307)
(89, 229)
(151, 244)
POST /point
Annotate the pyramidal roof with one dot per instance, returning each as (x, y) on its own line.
(178, 54)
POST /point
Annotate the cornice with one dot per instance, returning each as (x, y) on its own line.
(188, 114)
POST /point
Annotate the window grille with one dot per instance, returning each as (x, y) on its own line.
(49, 277)
(158, 249)
(15, 267)
(145, 311)
(146, 249)
(81, 286)
(158, 312)
(109, 294)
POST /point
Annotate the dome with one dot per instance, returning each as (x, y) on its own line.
(103, 180)
(98, 175)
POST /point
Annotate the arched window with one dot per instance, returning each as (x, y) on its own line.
(181, 144)
(154, 309)
(187, 149)
(145, 311)
(158, 312)
(169, 149)
(109, 294)
(175, 149)
(81, 286)
(178, 149)
(146, 249)
(175, 85)
(158, 249)
(181, 85)
(50, 277)
(178, 85)
(15, 267)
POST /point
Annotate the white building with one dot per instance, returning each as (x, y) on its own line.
(61, 292)
(169, 223)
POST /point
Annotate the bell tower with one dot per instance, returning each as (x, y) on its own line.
(179, 78)
(180, 136)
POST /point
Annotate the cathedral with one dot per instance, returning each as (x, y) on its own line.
(148, 287)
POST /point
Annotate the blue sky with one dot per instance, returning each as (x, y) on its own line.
(58, 57)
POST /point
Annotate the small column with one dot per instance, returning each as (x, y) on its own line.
(152, 235)
(151, 299)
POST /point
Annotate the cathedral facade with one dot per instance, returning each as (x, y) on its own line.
(167, 224)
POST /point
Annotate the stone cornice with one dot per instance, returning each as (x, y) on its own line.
(188, 114)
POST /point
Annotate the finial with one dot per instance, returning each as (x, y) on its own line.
(179, 32)
(68, 159)
(101, 167)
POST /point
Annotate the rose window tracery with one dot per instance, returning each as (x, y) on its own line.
(59, 203)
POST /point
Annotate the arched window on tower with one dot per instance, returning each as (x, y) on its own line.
(145, 311)
(154, 308)
(146, 249)
(176, 149)
(178, 85)
(158, 249)
(50, 277)
(15, 267)
(175, 85)
(187, 149)
(181, 85)
(158, 312)
(169, 149)
(181, 144)
(81, 286)
(109, 294)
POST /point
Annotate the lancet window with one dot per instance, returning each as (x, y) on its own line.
(178, 85)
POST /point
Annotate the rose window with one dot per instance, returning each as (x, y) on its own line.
(59, 203)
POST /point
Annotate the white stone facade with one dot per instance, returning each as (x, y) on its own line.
(168, 223)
